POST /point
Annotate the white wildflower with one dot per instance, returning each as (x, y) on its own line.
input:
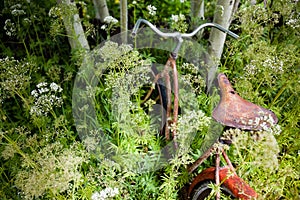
(45, 98)
(103, 27)
(43, 90)
(54, 87)
(9, 27)
(55, 12)
(95, 196)
(152, 10)
(34, 93)
(16, 6)
(106, 193)
(16, 12)
(274, 64)
(42, 84)
(251, 68)
(175, 18)
(110, 20)
(27, 21)
(294, 20)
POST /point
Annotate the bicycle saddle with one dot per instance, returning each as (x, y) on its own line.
(234, 111)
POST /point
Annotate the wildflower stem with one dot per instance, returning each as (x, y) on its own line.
(17, 148)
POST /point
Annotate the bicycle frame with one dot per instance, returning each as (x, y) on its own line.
(225, 175)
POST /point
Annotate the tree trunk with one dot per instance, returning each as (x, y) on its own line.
(197, 9)
(124, 20)
(222, 16)
(73, 26)
(101, 9)
(197, 13)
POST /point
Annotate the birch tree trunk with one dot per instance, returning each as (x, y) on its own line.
(222, 16)
(197, 14)
(101, 9)
(124, 20)
(73, 26)
(197, 8)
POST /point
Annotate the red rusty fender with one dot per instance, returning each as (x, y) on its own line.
(238, 187)
(234, 111)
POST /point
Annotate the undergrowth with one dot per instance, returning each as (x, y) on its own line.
(45, 156)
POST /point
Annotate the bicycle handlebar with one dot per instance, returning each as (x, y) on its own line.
(181, 35)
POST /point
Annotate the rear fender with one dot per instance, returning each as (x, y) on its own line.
(239, 188)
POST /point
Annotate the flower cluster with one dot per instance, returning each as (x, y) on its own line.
(177, 18)
(106, 193)
(271, 64)
(152, 10)
(9, 27)
(274, 64)
(110, 23)
(250, 69)
(16, 10)
(260, 147)
(178, 23)
(192, 77)
(45, 98)
(14, 76)
(12, 26)
(54, 168)
(110, 20)
(54, 12)
(188, 124)
(111, 51)
(294, 20)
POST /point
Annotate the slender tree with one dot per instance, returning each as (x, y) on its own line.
(124, 20)
(73, 26)
(101, 9)
(197, 9)
(223, 14)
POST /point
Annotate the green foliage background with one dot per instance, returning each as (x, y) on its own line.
(42, 156)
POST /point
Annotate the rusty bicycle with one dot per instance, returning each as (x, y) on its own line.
(232, 111)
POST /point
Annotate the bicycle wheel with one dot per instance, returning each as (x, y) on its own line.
(203, 190)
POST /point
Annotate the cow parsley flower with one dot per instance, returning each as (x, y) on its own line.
(110, 20)
(45, 98)
(55, 88)
(176, 18)
(106, 193)
(178, 23)
(9, 27)
(152, 10)
(294, 20)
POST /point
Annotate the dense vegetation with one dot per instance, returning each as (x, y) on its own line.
(43, 153)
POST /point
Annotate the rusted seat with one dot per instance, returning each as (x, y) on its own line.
(234, 111)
